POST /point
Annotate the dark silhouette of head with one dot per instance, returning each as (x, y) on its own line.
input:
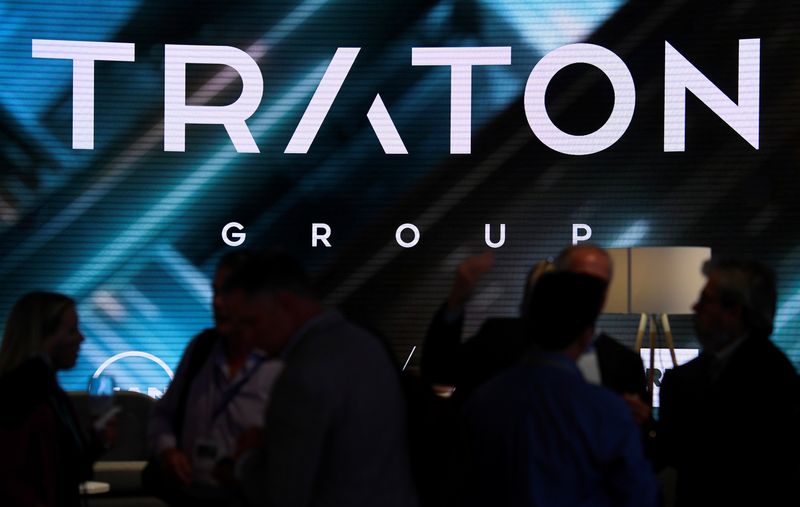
(269, 298)
(562, 309)
(41, 323)
(587, 259)
(738, 299)
(228, 264)
(536, 272)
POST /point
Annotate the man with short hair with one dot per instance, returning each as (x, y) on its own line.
(606, 361)
(220, 388)
(729, 418)
(539, 434)
(334, 432)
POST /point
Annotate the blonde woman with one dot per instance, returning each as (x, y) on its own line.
(45, 453)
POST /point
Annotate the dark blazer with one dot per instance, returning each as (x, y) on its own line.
(335, 427)
(499, 344)
(45, 453)
(733, 437)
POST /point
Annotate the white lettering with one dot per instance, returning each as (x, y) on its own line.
(322, 100)
(384, 128)
(177, 114)
(621, 114)
(576, 230)
(488, 236)
(233, 238)
(680, 75)
(461, 61)
(317, 236)
(398, 235)
(83, 55)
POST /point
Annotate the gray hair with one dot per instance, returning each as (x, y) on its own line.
(748, 284)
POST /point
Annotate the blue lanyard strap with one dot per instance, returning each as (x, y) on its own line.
(231, 393)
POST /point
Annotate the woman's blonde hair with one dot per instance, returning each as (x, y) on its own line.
(33, 318)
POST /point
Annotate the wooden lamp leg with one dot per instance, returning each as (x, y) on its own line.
(668, 335)
(651, 374)
(640, 332)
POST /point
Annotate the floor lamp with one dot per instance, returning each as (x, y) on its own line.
(656, 282)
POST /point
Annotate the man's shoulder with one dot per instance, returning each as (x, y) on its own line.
(208, 336)
(606, 344)
(771, 355)
(688, 373)
(499, 330)
(335, 340)
(29, 385)
(501, 389)
(763, 361)
(496, 324)
(335, 359)
(529, 377)
(334, 329)
(196, 356)
(200, 346)
(519, 386)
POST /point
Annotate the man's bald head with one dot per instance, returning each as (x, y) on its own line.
(585, 259)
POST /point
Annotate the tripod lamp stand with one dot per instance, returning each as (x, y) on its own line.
(655, 282)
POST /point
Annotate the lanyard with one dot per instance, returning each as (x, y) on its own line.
(231, 393)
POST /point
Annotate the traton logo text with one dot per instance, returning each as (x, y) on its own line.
(680, 75)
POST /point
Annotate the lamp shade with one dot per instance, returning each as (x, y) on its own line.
(656, 279)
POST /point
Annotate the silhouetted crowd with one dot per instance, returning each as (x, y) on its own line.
(285, 402)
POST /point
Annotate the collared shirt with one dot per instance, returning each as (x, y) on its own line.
(539, 434)
(219, 406)
(589, 364)
(718, 360)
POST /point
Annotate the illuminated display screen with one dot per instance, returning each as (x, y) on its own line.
(382, 143)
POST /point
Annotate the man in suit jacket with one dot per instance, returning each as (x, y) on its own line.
(335, 429)
(500, 343)
(729, 418)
